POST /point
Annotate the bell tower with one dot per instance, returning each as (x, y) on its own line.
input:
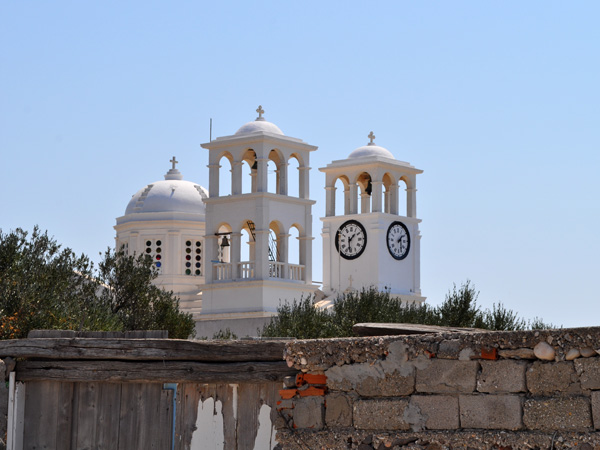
(248, 269)
(373, 243)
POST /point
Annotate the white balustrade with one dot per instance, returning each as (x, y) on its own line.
(296, 272)
(276, 269)
(222, 271)
(246, 269)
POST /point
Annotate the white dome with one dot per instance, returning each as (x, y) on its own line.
(173, 194)
(259, 125)
(371, 150)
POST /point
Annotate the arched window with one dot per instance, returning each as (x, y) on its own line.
(225, 175)
(364, 182)
(293, 174)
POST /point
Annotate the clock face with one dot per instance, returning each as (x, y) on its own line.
(398, 240)
(351, 239)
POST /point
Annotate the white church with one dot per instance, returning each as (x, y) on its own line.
(226, 255)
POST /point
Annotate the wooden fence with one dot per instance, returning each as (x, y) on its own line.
(137, 393)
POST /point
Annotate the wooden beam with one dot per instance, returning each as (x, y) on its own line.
(141, 372)
(144, 349)
(393, 329)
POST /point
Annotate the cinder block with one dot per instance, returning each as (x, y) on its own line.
(443, 376)
(502, 377)
(381, 414)
(338, 410)
(558, 413)
(589, 372)
(308, 413)
(390, 385)
(438, 412)
(596, 409)
(491, 412)
(551, 378)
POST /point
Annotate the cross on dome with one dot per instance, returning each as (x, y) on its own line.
(174, 161)
(371, 136)
(260, 112)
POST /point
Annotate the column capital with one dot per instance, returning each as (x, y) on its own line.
(213, 166)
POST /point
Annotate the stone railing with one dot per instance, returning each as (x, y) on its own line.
(535, 389)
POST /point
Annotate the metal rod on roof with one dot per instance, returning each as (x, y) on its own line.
(210, 129)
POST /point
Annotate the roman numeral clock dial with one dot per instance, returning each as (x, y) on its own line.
(398, 240)
(351, 239)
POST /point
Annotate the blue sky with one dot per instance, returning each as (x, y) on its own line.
(498, 102)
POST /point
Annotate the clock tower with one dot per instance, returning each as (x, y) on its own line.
(374, 242)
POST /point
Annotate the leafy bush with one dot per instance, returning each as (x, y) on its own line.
(303, 320)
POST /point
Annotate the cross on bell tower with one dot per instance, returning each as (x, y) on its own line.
(174, 161)
(371, 136)
(260, 112)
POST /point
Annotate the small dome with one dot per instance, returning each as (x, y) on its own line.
(173, 194)
(371, 150)
(260, 124)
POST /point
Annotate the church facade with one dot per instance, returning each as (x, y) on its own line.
(227, 254)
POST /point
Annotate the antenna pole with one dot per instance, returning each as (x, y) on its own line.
(210, 129)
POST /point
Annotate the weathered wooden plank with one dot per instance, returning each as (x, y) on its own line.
(167, 371)
(107, 416)
(64, 415)
(129, 419)
(143, 349)
(188, 397)
(87, 412)
(40, 415)
(163, 440)
(139, 334)
(390, 329)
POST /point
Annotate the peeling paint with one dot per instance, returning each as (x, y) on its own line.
(265, 437)
(209, 433)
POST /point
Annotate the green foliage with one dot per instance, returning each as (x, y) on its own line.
(303, 320)
(43, 286)
(225, 335)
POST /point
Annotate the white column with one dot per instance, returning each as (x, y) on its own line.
(261, 175)
(211, 249)
(282, 176)
(411, 202)
(303, 189)
(353, 198)
(394, 199)
(386, 201)
(330, 201)
(365, 203)
(346, 200)
(171, 253)
(305, 254)
(213, 180)
(236, 178)
(261, 254)
(234, 253)
(376, 196)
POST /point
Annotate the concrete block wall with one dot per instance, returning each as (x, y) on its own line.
(513, 390)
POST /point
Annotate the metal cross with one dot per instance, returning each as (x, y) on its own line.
(371, 136)
(174, 161)
(260, 111)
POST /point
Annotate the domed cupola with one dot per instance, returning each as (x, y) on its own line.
(173, 195)
(371, 150)
(259, 125)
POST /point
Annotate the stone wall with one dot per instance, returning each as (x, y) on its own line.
(452, 390)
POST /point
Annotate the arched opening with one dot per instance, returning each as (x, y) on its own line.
(295, 267)
(276, 170)
(272, 177)
(364, 182)
(293, 176)
(277, 250)
(221, 254)
(342, 196)
(247, 250)
(249, 172)
(225, 175)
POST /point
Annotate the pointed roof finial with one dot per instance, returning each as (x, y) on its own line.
(371, 136)
(174, 161)
(260, 112)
